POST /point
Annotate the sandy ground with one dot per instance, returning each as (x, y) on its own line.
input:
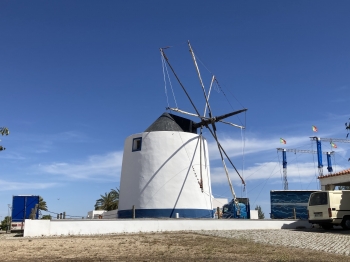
(151, 247)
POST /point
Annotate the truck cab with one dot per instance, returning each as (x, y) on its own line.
(330, 208)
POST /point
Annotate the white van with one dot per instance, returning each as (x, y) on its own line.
(330, 208)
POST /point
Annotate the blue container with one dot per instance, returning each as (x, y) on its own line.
(230, 209)
(22, 207)
(283, 203)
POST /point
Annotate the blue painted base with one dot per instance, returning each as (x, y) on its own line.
(167, 213)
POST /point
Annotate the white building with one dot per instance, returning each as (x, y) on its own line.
(102, 214)
(162, 173)
(95, 214)
(329, 182)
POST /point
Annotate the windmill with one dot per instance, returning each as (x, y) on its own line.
(162, 165)
(208, 122)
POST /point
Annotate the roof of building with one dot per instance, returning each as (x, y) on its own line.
(341, 173)
(164, 123)
(170, 122)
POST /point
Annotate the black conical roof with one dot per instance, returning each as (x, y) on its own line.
(164, 123)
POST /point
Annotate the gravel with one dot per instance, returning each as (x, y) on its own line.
(335, 241)
(4, 235)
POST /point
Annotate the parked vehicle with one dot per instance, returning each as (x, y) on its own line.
(23, 206)
(330, 208)
(230, 210)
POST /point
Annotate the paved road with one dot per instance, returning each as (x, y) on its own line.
(334, 241)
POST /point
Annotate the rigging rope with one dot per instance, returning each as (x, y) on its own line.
(301, 186)
(219, 88)
(166, 92)
(243, 148)
(264, 185)
(165, 69)
(171, 86)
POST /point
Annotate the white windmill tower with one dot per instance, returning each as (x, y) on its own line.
(165, 169)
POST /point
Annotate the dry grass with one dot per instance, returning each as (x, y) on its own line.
(152, 247)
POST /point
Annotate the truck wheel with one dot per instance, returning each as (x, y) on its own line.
(346, 223)
(327, 226)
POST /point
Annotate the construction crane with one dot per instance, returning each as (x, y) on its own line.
(284, 161)
(319, 150)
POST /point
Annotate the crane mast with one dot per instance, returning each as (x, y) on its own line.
(319, 154)
(284, 161)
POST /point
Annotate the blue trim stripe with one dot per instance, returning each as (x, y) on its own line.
(167, 213)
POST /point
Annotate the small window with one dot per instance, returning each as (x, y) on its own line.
(317, 199)
(136, 144)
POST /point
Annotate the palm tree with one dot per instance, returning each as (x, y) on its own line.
(108, 201)
(115, 193)
(4, 131)
(42, 204)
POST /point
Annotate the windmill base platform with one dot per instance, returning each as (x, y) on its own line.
(42, 227)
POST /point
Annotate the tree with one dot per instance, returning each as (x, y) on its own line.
(108, 201)
(115, 193)
(42, 204)
(6, 223)
(46, 217)
(4, 131)
(261, 214)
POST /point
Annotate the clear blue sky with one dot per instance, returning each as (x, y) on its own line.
(78, 77)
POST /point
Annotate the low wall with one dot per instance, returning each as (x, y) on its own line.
(44, 227)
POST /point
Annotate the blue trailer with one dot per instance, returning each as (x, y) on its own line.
(285, 204)
(22, 207)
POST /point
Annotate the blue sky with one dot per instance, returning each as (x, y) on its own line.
(78, 77)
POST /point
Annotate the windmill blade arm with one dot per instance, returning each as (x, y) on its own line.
(211, 84)
(231, 124)
(218, 118)
(181, 111)
(224, 165)
(243, 182)
(221, 149)
(206, 121)
(178, 80)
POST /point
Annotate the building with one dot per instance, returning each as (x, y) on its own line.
(165, 172)
(329, 182)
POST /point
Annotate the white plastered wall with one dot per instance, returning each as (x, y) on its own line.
(165, 173)
(43, 227)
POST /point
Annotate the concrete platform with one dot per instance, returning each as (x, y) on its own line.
(34, 228)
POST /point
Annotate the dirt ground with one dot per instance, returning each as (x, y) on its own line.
(152, 247)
